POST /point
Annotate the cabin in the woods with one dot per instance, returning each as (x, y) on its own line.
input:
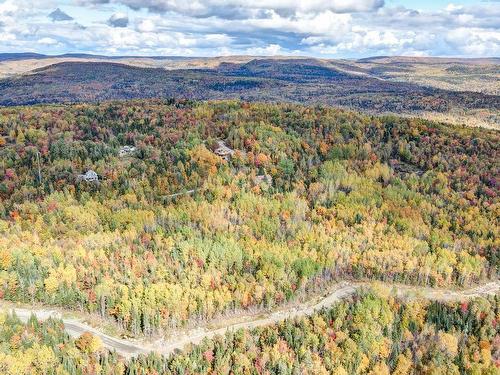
(263, 179)
(223, 151)
(89, 176)
(126, 150)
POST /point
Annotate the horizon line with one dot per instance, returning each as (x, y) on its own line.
(28, 54)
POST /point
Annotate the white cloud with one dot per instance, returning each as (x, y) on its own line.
(8, 8)
(323, 23)
(47, 41)
(453, 7)
(474, 42)
(146, 26)
(7, 37)
(270, 50)
(329, 28)
(223, 8)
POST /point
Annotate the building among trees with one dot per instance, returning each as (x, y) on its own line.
(89, 176)
(223, 150)
(263, 178)
(126, 150)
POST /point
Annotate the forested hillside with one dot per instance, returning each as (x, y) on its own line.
(368, 334)
(301, 80)
(310, 195)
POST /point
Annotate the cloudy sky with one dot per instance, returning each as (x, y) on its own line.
(323, 28)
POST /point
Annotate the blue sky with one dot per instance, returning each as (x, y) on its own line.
(322, 28)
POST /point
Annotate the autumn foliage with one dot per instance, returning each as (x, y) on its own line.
(174, 234)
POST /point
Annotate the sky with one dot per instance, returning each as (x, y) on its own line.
(320, 28)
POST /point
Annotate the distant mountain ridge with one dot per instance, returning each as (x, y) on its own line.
(31, 55)
(373, 87)
(422, 59)
(279, 80)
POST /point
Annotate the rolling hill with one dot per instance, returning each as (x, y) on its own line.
(308, 81)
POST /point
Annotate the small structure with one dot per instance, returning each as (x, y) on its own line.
(223, 151)
(263, 179)
(89, 176)
(402, 168)
(126, 150)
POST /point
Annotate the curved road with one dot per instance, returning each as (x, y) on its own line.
(131, 348)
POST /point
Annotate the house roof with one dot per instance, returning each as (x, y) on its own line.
(127, 148)
(222, 149)
(90, 173)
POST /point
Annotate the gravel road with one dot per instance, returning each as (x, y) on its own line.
(130, 348)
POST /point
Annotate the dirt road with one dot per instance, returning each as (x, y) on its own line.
(131, 348)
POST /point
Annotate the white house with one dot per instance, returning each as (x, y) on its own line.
(89, 176)
(126, 150)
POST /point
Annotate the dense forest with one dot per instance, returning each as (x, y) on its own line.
(301, 80)
(368, 334)
(171, 232)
